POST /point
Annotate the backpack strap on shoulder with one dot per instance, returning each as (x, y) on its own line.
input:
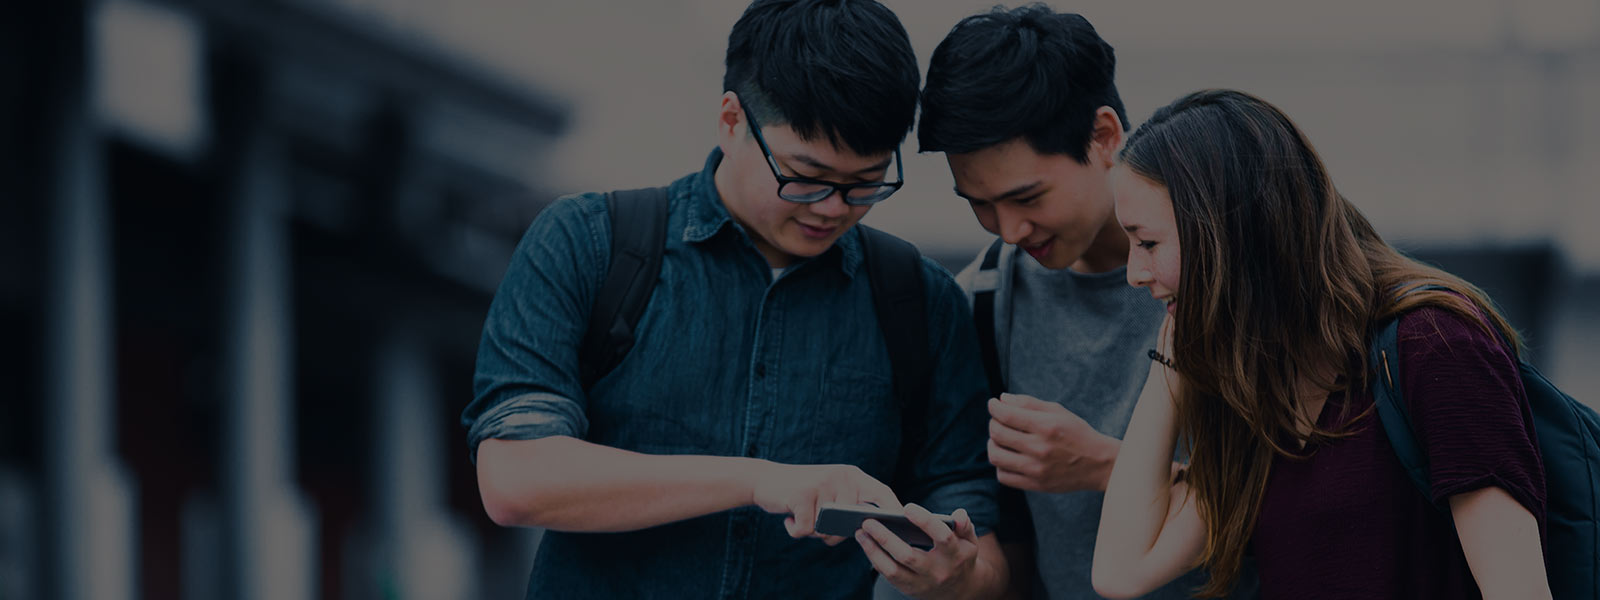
(1384, 358)
(894, 269)
(638, 240)
(983, 315)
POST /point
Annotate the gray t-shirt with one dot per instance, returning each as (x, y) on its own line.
(1079, 340)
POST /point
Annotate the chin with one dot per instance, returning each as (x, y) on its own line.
(1055, 262)
(1064, 254)
(808, 248)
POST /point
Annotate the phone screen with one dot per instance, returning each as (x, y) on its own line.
(843, 520)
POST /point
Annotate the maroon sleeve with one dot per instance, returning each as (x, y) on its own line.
(1469, 410)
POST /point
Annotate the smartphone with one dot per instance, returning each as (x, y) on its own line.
(844, 519)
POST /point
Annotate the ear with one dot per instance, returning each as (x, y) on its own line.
(730, 121)
(1106, 137)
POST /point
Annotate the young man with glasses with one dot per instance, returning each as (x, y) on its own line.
(1024, 105)
(759, 383)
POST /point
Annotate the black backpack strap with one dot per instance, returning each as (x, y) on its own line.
(1384, 361)
(638, 239)
(1016, 522)
(983, 316)
(1383, 358)
(894, 268)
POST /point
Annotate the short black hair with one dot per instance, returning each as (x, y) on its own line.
(836, 69)
(1028, 72)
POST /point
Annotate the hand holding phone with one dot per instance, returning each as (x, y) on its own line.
(844, 519)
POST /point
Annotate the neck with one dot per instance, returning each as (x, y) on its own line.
(723, 178)
(1313, 392)
(1108, 251)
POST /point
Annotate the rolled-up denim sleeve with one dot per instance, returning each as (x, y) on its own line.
(952, 469)
(526, 384)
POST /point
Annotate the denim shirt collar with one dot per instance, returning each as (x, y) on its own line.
(707, 216)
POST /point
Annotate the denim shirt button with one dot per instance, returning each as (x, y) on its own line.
(761, 370)
(750, 451)
(741, 529)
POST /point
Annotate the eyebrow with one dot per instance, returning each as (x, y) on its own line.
(817, 164)
(1130, 228)
(1012, 193)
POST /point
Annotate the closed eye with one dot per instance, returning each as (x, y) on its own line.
(1147, 245)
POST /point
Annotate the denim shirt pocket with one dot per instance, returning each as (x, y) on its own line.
(857, 422)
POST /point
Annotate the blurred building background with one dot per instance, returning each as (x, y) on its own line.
(247, 246)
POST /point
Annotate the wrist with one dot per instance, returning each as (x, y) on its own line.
(1107, 460)
(749, 475)
(986, 581)
(981, 580)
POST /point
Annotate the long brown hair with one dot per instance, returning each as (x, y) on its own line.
(1282, 280)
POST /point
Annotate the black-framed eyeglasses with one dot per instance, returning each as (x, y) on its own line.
(804, 190)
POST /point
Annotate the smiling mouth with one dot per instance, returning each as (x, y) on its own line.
(815, 232)
(1039, 250)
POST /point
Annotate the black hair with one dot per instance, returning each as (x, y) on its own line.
(1028, 72)
(840, 70)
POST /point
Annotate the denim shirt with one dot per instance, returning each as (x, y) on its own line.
(729, 362)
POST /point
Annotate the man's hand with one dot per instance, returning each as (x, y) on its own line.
(1042, 446)
(942, 572)
(799, 489)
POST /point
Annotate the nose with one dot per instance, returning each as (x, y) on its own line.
(1014, 227)
(1139, 274)
(831, 207)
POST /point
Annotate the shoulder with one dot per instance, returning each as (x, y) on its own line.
(587, 216)
(949, 308)
(1469, 409)
(939, 290)
(968, 275)
(579, 206)
(973, 279)
(573, 212)
(1449, 363)
(571, 233)
(1438, 332)
(937, 280)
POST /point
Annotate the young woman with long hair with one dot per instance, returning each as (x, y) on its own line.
(1274, 283)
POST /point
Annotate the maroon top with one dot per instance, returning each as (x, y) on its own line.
(1348, 523)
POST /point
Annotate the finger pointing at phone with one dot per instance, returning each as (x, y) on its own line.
(797, 490)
